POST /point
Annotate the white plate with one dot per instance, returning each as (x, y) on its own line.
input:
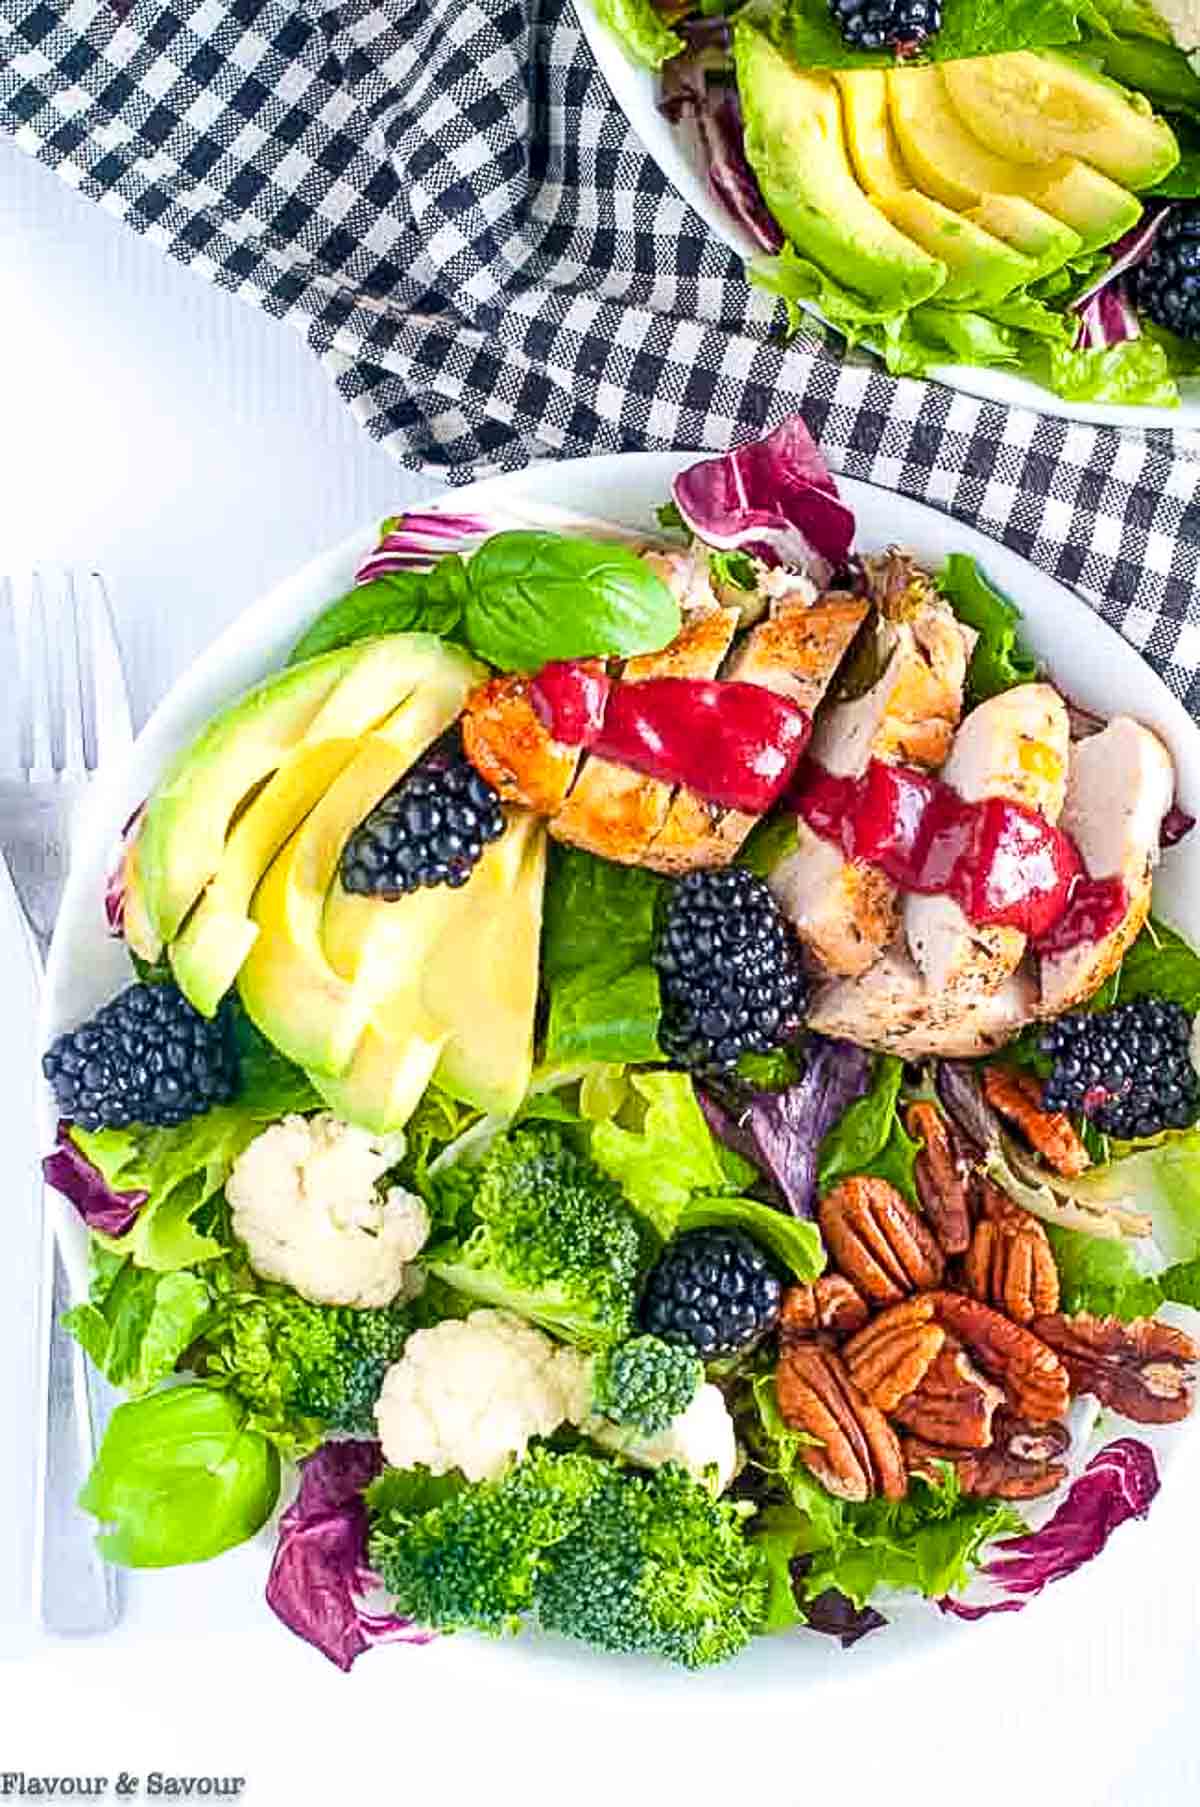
(1094, 665)
(677, 151)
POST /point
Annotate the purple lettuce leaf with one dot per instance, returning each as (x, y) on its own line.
(116, 882)
(781, 1132)
(413, 542)
(69, 1171)
(714, 109)
(320, 1574)
(1118, 1484)
(773, 499)
(1105, 309)
(1175, 824)
(959, 1088)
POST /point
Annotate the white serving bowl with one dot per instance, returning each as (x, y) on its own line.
(1097, 668)
(677, 151)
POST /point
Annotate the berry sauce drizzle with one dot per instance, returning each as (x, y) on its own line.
(1002, 863)
(736, 745)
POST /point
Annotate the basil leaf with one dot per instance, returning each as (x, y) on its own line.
(999, 660)
(533, 597)
(399, 602)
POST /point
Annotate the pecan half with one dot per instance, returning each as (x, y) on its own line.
(1009, 1263)
(1018, 1096)
(940, 1176)
(877, 1240)
(894, 1353)
(1022, 1463)
(1034, 1380)
(1142, 1369)
(953, 1404)
(856, 1453)
(830, 1303)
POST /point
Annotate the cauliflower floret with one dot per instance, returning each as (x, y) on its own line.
(305, 1201)
(701, 1439)
(469, 1394)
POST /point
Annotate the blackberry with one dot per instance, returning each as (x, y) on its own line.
(731, 977)
(146, 1057)
(900, 25)
(430, 829)
(1166, 284)
(714, 1290)
(1128, 1070)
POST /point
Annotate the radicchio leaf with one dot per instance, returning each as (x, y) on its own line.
(320, 1574)
(412, 542)
(69, 1171)
(714, 108)
(1105, 310)
(1175, 824)
(1118, 1484)
(781, 1132)
(773, 499)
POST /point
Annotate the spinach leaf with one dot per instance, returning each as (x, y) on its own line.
(533, 597)
(1161, 964)
(399, 602)
(999, 660)
(871, 1138)
(603, 993)
(806, 29)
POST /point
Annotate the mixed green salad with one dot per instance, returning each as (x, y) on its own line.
(952, 182)
(501, 1155)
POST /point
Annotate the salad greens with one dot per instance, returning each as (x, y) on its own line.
(603, 999)
(969, 28)
(136, 1323)
(642, 29)
(180, 1477)
(999, 660)
(870, 1137)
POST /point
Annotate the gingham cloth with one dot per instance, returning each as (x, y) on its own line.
(442, 195)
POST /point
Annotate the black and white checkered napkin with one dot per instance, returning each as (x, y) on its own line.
(442, 195)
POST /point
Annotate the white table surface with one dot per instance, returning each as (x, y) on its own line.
(194, 451)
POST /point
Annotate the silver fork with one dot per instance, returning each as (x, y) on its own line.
(71, 716)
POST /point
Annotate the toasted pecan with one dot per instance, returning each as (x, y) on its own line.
(1021, 1463)
(1143, 1369)
(856, 1453)
(1034, 1379)
(894, 1353)
(1018, 1096)
(940, 1176)
(829, 1304)
(1010, 1263)
(953, 1404)
(877, 1240)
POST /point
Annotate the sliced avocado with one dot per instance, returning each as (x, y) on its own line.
(1094, 206)
(1035, 106)
(136, 926)
(1029, 230)
(188, 816)
(874, 151)
(384, 1083)
(982, 269)
(797, 149)
(481, 982)
(290, 989)
(219, 934)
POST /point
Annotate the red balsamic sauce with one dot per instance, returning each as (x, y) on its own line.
(1002, 863)
(735, 745)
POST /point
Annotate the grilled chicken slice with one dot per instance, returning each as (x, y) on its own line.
(1015, 747)
(616, 812)
(795, 653)
(845, 913)
(508, 743)
(1120, 787)
(892, 1009)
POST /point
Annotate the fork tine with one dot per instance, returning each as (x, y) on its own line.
(73, 683)
(111, 722)
(12, 721)
(40, 685)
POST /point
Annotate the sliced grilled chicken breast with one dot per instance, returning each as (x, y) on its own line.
(892, 1009)
(508, 743)
(845, 913)
(613, 811)
(795, 653)
(1014, 746)
(1120, 787)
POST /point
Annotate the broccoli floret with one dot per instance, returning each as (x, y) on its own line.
(460, 1555)
(626, 1562)
(655, 1565)
(645, 1383)
(302, 1370)
(549, 1237)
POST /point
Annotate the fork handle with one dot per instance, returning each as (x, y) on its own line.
(76, 1591)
